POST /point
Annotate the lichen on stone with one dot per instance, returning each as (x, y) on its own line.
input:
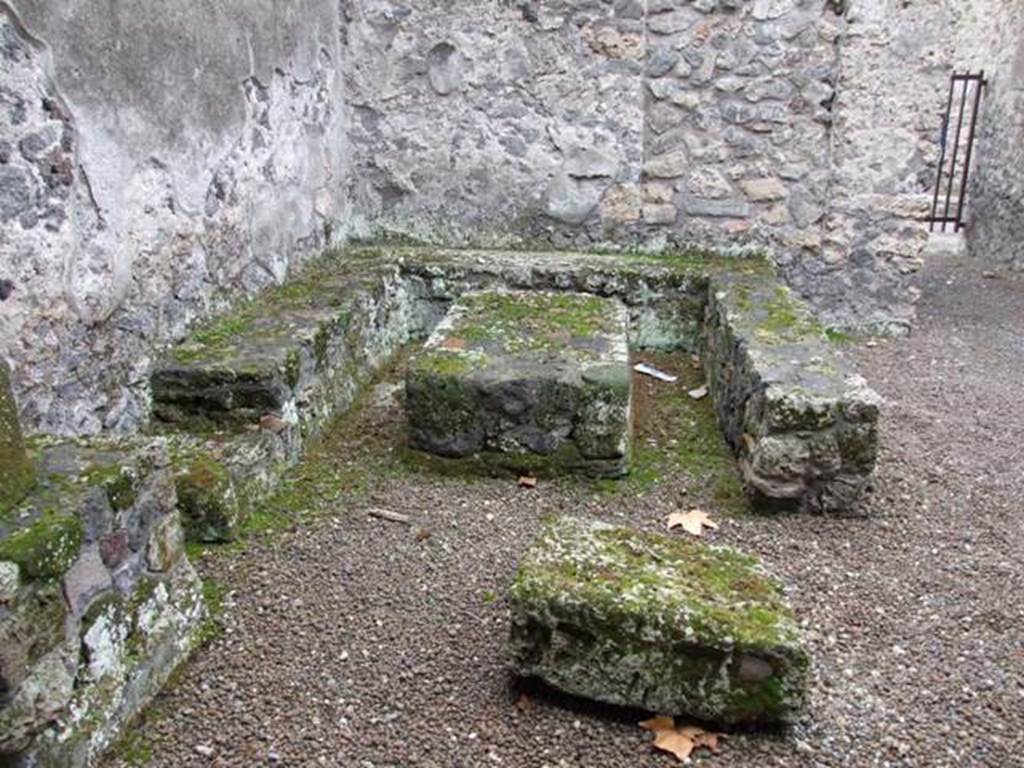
(670, 625)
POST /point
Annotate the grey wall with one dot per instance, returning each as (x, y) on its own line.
(155, 161)
(996, 199)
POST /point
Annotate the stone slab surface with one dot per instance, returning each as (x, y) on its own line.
(529, 380)
(669, 625)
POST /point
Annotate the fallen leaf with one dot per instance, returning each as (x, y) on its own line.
(699, 393)
(659, 723)
(680, 740)
(693, 522)
(709, 741)
(674, 743)
(527, 481)
(524, 703)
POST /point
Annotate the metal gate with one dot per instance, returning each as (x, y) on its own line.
(956, 146)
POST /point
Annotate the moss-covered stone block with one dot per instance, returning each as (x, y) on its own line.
(670, 625)
(45, 549)
(17, 475)
(533, 381)
(208, 500)
(802, 422)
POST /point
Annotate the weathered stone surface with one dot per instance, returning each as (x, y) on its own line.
(525, 381)
(803, 423)
(673, 626)
(101, 607)
(996, 198)
(16, 472)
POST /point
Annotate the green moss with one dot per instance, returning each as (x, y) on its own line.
(524, 321)
(677, 438)
(292, 368)
(448, 362)
(134, 748)
(210, 507)
(47, 548)
(17, 473)
(119, 482)
(682, 589)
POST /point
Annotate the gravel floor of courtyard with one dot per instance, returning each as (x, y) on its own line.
(350, 640)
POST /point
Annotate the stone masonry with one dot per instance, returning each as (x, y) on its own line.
(529, 382)
(133, 204)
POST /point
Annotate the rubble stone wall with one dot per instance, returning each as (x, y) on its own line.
(156, 165)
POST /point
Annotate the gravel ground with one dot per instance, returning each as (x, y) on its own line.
(354, 641)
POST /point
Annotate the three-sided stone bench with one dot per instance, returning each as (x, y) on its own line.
(672, 626)
(242, 395)
(525, 381)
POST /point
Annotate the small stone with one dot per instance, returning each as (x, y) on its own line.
(204, 750)
(86, 580)
(669, 166)
(763, 190)
(444, 69)
(9, 580)
(663, 213)
(166, 544)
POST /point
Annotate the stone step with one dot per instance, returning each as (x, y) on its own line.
(669, 625)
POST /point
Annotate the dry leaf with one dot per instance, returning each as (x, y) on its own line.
(524, 703)
(682, 740)
(693, 522)
(699, 393)
(527, 481)
(659, 723)
(674, 743)
(709, 741)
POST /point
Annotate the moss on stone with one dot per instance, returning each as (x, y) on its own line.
(668, 624)
(207, 499)
(45, 549)
(17, 472)
(120, 483)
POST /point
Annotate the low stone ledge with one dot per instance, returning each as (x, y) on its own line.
(98, 603)
(673, 626)
(525, 381)
(803, 424)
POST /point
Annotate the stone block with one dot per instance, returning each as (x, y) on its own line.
(536, 381)
(804, 425)
(16, 472)
(669, 625)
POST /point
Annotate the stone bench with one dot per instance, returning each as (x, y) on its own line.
(525, 381)
(98, 603)
(672, 626)
(241, 395)
(803, 423)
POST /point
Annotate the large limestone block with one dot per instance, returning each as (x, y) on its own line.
(536, 381)
(16, 472)
(670, 625)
